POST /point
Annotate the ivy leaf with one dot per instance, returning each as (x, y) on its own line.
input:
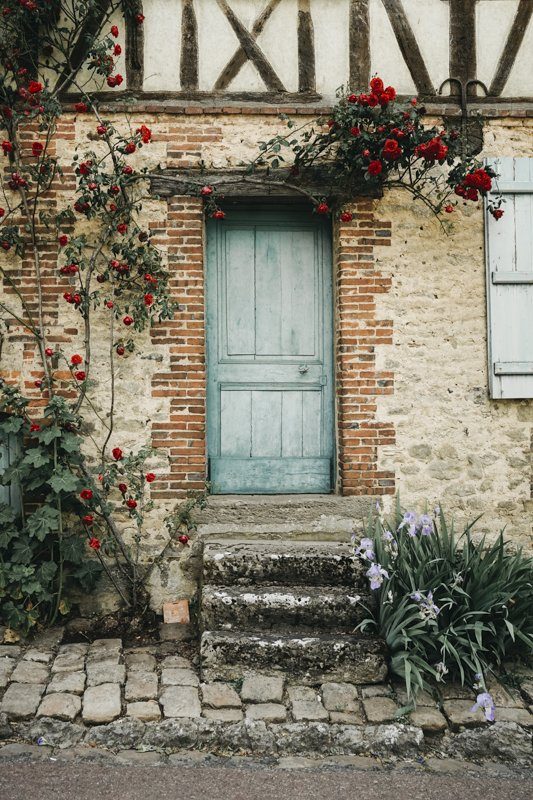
(70, 443)
(47, 435)
(42, 522)
(36, 457)
(12, 424)
(63, 480)
(22, 552)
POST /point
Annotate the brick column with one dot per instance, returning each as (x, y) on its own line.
(183, 435)
(358, 334)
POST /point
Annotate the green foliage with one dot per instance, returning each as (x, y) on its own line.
(447, 604)
(43, 548)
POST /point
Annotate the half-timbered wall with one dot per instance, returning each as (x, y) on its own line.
(315, 46)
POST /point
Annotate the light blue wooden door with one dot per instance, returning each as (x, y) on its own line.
(269, 349)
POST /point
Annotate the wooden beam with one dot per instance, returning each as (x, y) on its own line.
(463, 61)
(236, 183)
(134, 51)
(359, 43)
(253, 52)
(240, 58)
(512, 46)
(189, 47)
(91, 26)
(306, 48)
(409, 46)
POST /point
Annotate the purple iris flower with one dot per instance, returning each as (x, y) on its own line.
(376, 573)
(366, 549)
(485, 701)
(427, 524)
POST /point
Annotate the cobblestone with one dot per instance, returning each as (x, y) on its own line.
(120, 708)
(60, 706)
(101, 703)
(259, 688)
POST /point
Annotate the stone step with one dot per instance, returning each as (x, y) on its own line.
(317, 517)
(282, 608)
(240, 563)
(227, 655)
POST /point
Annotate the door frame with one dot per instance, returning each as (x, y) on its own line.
(328, 320)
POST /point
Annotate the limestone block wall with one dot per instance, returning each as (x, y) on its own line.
(413, 412)
(453, 443)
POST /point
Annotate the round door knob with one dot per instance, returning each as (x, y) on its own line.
(303, 368)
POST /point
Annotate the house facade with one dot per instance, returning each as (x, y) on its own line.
(366, 358)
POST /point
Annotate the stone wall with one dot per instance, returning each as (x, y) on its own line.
(410, 343)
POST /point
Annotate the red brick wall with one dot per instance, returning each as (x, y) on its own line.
(359, 332)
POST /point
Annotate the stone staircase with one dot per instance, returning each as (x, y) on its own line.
(291, 605)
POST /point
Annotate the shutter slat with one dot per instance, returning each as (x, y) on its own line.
(509, 256)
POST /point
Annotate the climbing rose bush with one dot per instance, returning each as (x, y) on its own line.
(446, 604)
(371, 140)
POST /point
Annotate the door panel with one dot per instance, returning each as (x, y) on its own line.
(269, 337)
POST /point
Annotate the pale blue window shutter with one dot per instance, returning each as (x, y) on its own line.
(10, 449)
(509, 258)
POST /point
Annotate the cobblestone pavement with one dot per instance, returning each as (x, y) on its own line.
(151, 698)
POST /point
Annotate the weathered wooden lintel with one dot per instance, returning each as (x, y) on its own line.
(238, 183)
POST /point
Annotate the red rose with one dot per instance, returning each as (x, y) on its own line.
(449, 209)
(145, 132)
(377, 85)
(322, 208)
(148, 299)
(120, 350)
(205, 191)
(122, 227)
(352, 98)
(101, 130)
(127, 320)
(183, 539)
(63, 240)
(355, 131)
(7, 147)
(139, 19)
(497, 213)
(433, 150)
(131, 503)
(479, 179)
(375, 167)
(38, 384)
(76, 359)
(34, 87)
(114, 31)
(116, 453)
(391, 150)
(86, 494)
(373, 100)
(130, 147)
(150, 477)
(390, 91)
(117, 50)
(49, 352)
(2, 212)
(218, 214)
(109, 304)
(471, 194)
(111, 81)
(81, 107)
(123, 488)
(34, 427)
(37, 148)
(346, 216)
(5, 246)
(127, 170)
(94, 543)
(80, 376)
(366, 153)
(88, 519)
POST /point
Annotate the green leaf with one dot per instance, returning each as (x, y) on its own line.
(42, 522)
(63, 480)
(36, 457)
(47, 435)
(12, 424)
(22, 552)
